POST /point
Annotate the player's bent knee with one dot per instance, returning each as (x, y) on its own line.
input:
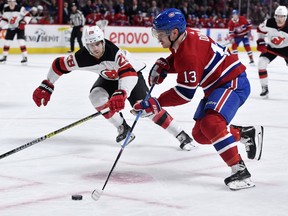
(98, 96)
(263, 63)
(213, 125)
(198, 135)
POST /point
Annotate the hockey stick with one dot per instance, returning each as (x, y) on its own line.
(277, 54)
(40, 139)
(97, 193)
(226, 43)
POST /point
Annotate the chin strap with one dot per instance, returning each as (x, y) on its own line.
(172, 42)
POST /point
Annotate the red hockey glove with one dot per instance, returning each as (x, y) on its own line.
(261, 45)
(22, 24)
(159, 71)
(117, 101)
(149, 107)
(42, 94)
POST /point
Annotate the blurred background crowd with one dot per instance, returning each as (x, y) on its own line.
(198, 13)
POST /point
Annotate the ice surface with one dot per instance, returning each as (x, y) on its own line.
(153, 176)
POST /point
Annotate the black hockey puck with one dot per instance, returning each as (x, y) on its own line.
(77, 197)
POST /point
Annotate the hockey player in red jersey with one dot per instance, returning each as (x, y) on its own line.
(15, 17)
(201, 62)
(239, 31)
(275, 30)
(120, 79)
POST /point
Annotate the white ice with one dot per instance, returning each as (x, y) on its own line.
(153, 176)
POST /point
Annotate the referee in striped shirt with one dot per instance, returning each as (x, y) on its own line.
(77, 20)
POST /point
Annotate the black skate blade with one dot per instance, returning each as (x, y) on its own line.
(259, 135)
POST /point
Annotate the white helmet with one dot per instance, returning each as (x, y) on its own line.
(281, 11)
(40, 7)
(34, 9)
(93, 34)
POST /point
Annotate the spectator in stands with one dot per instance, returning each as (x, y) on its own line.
(185, 9)
(192, 21)
(118, 6)
(138, 19)
(91, 19)
(133, 10)
(121, 18)
(154, 10)
(53, 11)
(103, 6)
(148, 21)
(66, 13)
(110, 16)
(144, 8)
(87, 8)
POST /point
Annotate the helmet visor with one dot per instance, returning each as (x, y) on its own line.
(160, 33)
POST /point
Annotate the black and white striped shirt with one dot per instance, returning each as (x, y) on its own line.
(77, 19)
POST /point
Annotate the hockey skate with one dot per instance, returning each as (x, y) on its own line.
(240, 177)
(24, 60)
(265, 92)
(3, 60)
(123, 131)
(252, 62)
(252, 138)
(186, 142)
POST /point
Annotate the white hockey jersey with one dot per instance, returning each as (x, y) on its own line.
(11, 18)
(275, 37)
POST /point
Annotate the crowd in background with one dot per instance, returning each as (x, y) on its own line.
(198, 13)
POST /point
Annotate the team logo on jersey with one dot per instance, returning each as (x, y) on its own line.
(109, 74)
(277, 40)
(172, 14)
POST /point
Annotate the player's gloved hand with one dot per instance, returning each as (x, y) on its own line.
(117, 100)
(159, 71)
(42, 94)
(261, 45)
(22, 24)
(148, 107)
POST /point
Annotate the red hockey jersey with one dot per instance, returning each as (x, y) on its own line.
(239, 28)
(199, 61)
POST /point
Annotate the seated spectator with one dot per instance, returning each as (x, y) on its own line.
(45, 19)
(138, 19)
(192, 21)
(88, 8)
(118, 6)
(148, 21)
(153, 10)
(103, 6)
(91, 19)
(133, 11)
(110, 16)
(122, 18)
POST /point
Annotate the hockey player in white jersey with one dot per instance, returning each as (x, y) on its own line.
(272, 42)
(120, 78)
(14, 17)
